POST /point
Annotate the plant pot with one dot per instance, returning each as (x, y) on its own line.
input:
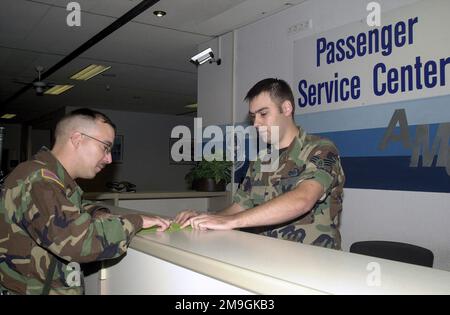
(208, 184)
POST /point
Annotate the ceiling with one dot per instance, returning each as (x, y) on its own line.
(149, 56)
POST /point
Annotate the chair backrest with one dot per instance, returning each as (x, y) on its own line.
(403, 252)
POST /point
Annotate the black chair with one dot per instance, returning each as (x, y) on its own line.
(403, 252)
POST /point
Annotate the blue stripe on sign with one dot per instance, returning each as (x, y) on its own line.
(393, 173)
(419, 111)
(358, 143)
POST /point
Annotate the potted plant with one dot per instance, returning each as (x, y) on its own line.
(210, 175)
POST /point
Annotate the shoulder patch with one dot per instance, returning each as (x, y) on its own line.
(324, 160)
(51, 176)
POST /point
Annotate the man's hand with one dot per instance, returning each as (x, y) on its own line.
(212, 222)
(183, 217)
(150, 221)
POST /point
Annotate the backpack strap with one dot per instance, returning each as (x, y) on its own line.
(50, 273)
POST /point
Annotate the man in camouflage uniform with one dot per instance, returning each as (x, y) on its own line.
(46, 228)
(302, 199)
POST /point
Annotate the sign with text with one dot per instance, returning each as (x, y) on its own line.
(407, 57)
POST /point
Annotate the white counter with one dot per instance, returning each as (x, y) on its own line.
(167, 203)
(257, 264)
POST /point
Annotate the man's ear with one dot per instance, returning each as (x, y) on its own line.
(75, 139)
(286, 108)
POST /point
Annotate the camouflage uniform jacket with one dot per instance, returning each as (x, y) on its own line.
(42, 215)
(307, 157)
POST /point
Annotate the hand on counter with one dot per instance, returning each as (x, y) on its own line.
(210, 222)
(149, 221)
(226, 219)
(174, 227)
(183, 217)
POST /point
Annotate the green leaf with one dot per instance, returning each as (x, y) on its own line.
(174, 227)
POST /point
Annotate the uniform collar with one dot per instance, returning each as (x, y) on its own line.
(297, 143)
(293, 150)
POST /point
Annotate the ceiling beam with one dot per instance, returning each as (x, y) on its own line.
(124, 19)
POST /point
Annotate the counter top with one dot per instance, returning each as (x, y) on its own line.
(270, 266)
(152, 195)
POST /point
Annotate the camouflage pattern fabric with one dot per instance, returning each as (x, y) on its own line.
(43, 215)
(307, 158)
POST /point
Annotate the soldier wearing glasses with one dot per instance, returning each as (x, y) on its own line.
(46, 228)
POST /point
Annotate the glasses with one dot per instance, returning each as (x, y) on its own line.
(108, 146)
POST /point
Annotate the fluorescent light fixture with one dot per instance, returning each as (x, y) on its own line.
(193, 106)
(89, 72)
(203, 57)
(58, 89)
(8, 116)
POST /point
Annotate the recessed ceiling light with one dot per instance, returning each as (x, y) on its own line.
(159, 13)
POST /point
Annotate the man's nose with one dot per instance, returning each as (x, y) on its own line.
(108, 158)
(256, 122)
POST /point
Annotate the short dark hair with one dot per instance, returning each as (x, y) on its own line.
(87, 112)
(66, 124)
(278, 90)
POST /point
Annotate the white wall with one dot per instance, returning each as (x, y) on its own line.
(412, 217)
(216, 105)
(146, 153)
(264, 49)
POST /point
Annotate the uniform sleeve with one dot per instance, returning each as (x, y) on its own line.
(242, 195)
(322, 166)
(93, 209)
(58, 225)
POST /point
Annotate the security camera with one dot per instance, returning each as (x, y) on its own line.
(204, 56)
